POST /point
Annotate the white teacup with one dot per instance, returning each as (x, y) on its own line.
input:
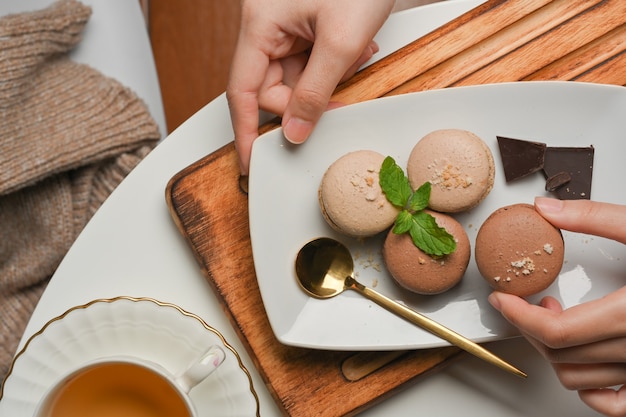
(125, 386)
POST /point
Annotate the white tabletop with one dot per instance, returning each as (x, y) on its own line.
(132, 247)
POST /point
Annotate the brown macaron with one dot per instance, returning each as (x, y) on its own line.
(457, 163)
(518, 251)
(350, 197)
(418, 272)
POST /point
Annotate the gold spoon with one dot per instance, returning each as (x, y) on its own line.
(324, 268)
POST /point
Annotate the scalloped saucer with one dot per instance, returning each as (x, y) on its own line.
(153, 330)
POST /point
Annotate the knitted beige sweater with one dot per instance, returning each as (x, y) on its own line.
(68, 136)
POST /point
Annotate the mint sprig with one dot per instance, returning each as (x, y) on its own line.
(421, 226)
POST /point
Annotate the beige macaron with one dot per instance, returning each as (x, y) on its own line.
(457, 163)
(418, 272)
(351, 198)
(519, 252)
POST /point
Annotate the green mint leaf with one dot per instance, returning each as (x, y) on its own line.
(394, 183)
(429, 237)
(421, 226)
(419, 199)
(403, 222)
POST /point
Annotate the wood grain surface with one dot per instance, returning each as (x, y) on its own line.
(498, 41)
(212, 210)
(192, 42)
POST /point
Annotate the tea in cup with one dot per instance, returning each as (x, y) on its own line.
(127, 387)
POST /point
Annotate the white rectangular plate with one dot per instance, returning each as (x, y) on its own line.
(284, 212)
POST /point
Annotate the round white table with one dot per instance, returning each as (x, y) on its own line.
(132, 247)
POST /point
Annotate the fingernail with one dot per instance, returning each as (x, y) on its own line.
(548, 205)
(243, 168)
(494, 300)
(374, 48)
(297, 130)
(334, 105)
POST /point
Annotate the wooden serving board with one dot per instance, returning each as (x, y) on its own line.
(499, 41)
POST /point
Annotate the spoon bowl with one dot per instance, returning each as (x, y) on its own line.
(325, 268)
(322, 266)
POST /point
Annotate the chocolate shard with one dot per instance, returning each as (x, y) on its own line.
(557, 180)
(520, 157)
(578, 163)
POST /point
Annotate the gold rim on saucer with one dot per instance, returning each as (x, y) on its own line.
(138, 299)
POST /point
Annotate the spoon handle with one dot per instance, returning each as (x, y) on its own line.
(432, 326)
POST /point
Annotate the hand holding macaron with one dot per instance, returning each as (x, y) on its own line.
(585, 343)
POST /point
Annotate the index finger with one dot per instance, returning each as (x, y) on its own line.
(585, 216)
(249, 66)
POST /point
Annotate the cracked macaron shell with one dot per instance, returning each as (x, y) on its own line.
(519, 252)
(458, 164)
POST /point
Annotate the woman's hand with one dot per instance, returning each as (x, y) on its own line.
(289, 58)
(586, 344)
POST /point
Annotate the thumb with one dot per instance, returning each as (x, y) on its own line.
(310, 97)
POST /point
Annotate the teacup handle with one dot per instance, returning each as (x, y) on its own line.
(201, 368)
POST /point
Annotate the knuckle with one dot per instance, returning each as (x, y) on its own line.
(341, 42)
(309, 100)
(556, 336)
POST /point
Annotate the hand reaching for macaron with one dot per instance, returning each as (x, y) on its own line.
(586, 344)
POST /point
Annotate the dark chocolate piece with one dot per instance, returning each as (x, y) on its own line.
(557, 180)
(578, 163)
(520, 157)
